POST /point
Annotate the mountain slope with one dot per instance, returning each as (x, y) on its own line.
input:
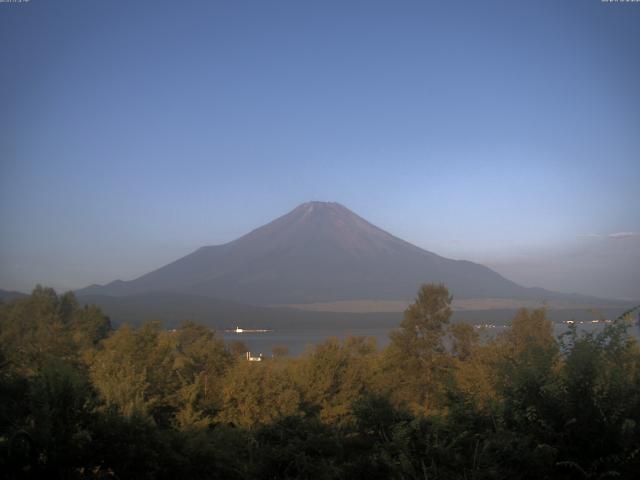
(318, 252)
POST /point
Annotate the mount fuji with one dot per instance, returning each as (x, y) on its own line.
(319, 252)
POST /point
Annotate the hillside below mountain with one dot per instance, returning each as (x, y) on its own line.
(8, 295)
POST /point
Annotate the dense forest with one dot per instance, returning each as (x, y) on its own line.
(79, 399)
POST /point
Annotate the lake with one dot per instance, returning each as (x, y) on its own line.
(297, 340)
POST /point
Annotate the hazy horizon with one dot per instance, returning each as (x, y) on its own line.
(505, 134)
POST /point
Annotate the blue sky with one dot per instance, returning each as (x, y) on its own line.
(502, 132)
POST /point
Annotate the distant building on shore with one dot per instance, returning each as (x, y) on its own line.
(253, 359)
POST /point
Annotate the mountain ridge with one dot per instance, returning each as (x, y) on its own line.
(318, 252)
(8, 295)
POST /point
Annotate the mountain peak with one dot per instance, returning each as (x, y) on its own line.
(317, 206)
(315, 221)
(313, 226)
(318, 203)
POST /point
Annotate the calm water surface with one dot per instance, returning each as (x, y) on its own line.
(299, 340)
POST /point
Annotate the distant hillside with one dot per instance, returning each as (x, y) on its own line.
(171, 309)
(320, 252)
(6, 295)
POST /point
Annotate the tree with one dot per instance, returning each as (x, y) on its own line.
(200, 361)
(416, 357)
(259, 393)
(464, 340)
(598, 408)
(333, 374)
(119, 374)
(45, 325)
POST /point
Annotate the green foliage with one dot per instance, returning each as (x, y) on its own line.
(293, 447)
(416, 360)
(44, 325)
(78, 400)
(172, 376)
(526, 377)
(464, 340)
(256, 393)
(333, 374)
(49, 431)
(600, 405)
(423, 327)
(119, 370)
